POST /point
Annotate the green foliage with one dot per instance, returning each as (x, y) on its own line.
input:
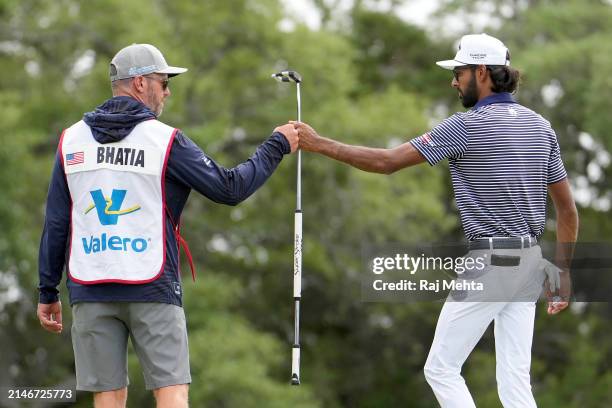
(391, 51)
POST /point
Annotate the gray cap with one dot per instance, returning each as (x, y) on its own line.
(140, 59)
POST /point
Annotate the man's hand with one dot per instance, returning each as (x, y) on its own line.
(50, 316)
(290, 133)
(309, 138)
(560, 301)
(555, 307)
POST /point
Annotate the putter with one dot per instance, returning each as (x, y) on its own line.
(292, 76)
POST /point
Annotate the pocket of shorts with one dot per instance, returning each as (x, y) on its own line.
(505, 260)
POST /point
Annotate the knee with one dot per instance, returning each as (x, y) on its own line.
(172, 396)
(440, 370)
(111, 399)
(432, 371)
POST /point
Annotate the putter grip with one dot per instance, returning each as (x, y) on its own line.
(295, 365)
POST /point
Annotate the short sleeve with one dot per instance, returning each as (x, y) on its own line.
(448, 140)
(556, 169)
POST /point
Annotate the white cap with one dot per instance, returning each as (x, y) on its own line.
(478, 49)
(140, 59)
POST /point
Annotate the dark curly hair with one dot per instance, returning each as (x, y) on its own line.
(504, 78)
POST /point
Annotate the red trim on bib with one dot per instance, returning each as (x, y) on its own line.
(189, 257)
(180, 241)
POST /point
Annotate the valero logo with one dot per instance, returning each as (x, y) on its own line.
(109, 210)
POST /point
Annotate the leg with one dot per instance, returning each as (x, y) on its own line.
(513, 336)
(173, 396)
(460, 326)
(99, 339)
(111, 399)
(159, 337)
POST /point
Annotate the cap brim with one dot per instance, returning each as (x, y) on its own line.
(450, 64)
(172, 71)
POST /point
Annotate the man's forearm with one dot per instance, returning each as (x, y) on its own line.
(364, 158)
(247, 177)
(370, 159)
(567, 226)
(190, 166)
(567, 234)
(567, 222)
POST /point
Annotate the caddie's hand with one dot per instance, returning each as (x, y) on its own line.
(309, 138)
(50, 316)
(290, 133)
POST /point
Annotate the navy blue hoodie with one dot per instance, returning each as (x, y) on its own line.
(188, 168)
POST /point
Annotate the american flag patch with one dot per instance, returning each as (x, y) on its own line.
(75, 158)
(426, 139)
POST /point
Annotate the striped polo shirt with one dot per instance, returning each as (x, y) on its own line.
(502, 156)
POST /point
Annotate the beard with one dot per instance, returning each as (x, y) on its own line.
(157, 106)
(469, 97)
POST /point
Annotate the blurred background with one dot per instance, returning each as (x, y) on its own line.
(369, 78)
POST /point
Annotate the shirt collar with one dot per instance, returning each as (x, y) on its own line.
(502, 97)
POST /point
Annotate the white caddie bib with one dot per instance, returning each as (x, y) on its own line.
(118, 200)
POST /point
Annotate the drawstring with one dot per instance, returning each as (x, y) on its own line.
(180, 242)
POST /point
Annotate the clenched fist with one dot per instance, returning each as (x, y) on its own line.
(290, 133)
(309, 139)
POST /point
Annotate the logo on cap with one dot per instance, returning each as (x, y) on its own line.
(142, 70)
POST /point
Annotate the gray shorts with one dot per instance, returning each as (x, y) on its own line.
(99, 337)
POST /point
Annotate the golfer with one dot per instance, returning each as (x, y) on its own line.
(120, 182)
(503, 157)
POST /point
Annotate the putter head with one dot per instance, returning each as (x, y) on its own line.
(288, 76)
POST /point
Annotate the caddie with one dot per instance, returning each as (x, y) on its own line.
(120, 181)
(503, 158)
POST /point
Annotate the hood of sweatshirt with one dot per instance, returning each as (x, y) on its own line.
(116, 118)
